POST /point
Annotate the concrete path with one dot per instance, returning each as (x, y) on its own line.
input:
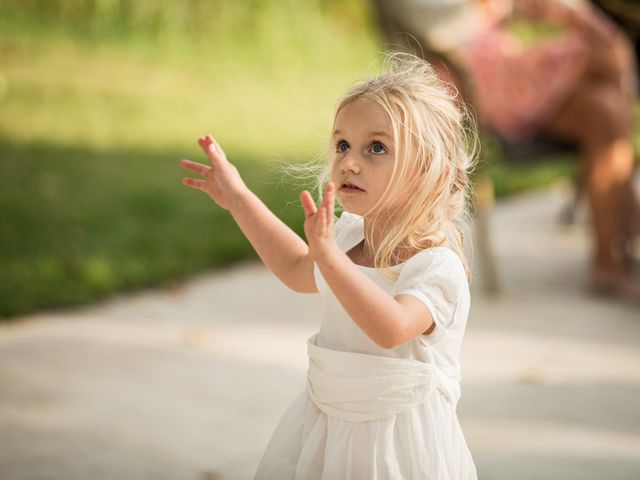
(188, 383)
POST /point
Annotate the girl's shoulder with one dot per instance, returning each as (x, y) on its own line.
(346, 220)
(437, 266)
(348, 229)
(441, 257)
(429, 254)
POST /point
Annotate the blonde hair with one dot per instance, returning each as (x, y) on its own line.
(435, 143)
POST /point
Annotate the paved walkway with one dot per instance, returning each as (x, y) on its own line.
(188, 383)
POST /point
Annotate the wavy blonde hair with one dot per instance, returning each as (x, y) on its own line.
(435, 143)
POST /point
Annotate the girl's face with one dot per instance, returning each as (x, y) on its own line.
(364, 155)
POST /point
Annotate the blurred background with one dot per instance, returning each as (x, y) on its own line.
(137, 329)
(99, 100)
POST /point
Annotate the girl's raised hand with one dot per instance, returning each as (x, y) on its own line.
(318, 224)
(222, 180)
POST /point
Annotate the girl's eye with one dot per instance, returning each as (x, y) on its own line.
(342, 146)
(378, 148)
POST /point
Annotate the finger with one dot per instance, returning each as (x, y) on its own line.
(308, 204)
(333, 199)
(332, 204)
(216, 144)
(195, 166)
(212, 150)
(323, 206)
(325, 196)
(194, 183)
(322, 220)
(328, 202)
(329, 195)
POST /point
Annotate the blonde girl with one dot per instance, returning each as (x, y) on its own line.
(384, 377)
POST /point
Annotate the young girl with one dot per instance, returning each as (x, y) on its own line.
(384, 374)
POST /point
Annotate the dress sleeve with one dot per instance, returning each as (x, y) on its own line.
(347, 229)
(437, 278)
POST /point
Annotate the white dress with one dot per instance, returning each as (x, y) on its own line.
(367, 412)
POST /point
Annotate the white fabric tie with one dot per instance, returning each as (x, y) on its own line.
(359, 387)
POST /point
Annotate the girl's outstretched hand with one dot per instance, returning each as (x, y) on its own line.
(318, 224)
(222, 180)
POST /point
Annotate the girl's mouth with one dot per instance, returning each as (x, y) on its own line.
(350, 188)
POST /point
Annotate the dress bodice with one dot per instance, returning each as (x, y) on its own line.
(435, 276)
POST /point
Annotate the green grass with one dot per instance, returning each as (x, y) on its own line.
(79, 224)
(91, 134)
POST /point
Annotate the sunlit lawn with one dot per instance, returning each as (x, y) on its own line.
(91, 136)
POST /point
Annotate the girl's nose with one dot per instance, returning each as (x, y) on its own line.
(349, 164)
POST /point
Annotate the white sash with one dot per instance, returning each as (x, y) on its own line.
(358, 386)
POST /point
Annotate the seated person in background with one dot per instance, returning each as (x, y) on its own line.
(626, 14)
(574, 82)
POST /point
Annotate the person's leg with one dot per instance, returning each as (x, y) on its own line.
(597, 118)
(614, 63)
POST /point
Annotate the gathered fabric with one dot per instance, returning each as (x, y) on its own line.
(365, 411)
(359, 387)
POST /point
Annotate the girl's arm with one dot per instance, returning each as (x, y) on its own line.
(279, 247)
(387, 320)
